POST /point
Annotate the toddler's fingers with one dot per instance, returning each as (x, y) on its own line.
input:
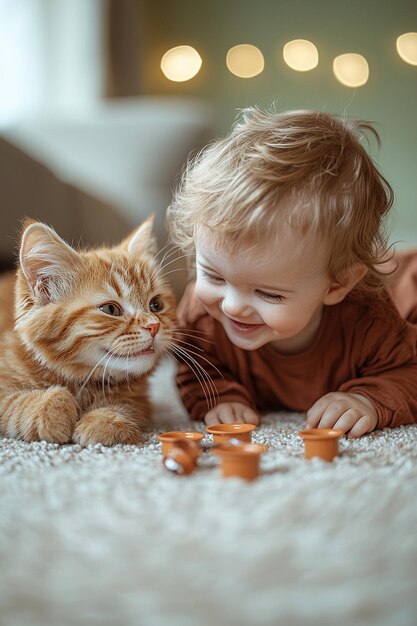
(211, 419)
(315, 412)
(227, 414)
(250, 417)
(347, 420)
(362, 426)
(331, 415)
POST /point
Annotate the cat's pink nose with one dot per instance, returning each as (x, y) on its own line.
(153, 328)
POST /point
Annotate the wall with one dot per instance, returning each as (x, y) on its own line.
(368, 27)
(51, 56)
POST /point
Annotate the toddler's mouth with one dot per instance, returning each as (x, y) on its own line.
(242, 327)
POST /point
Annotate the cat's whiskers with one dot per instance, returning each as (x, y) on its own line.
(181, 333)
(168, 255)
(171, 250)
(168, 251)
(79, 392)
(156, 268)
(131, 344)
(127, 372)
(194, 330)
(182, 256)
(187, 343)
(200, 373)
(156, 271)
(104, 374)
(157, 274)
(180, 357)
(202, 357)
(189, 352)
(177, 269)
(202, 376)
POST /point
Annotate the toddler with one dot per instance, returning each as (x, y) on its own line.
(289, 309)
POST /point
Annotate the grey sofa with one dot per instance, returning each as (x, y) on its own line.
(96, 175)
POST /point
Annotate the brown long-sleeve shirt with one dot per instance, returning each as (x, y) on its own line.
(363, 346)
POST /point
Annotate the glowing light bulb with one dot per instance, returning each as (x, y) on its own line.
(301, 55)
(181, 63)
(351, 69)
(407, 47)
(245, 61)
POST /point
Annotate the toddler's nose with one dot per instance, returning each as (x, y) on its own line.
(233, 304)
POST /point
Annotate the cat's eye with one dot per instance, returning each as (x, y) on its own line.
(111, 308)
(156, 304)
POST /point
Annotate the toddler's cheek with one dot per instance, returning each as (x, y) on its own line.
(200, 290)
(285, 327)
(205, 294)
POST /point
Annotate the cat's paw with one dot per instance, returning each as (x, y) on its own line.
(107, 427)
(57, 412)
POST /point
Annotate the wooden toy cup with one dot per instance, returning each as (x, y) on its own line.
(321, 442)
(170, 438)
(240, 461)
(181, 457)
(223, 432)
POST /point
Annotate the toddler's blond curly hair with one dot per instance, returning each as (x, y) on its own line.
(304, 170)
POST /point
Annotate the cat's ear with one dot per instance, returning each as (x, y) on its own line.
(141, 242)
(47, 261)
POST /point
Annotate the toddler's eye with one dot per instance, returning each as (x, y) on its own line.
(273, 297)
(212, 277)
(156, 304)
(111, 308)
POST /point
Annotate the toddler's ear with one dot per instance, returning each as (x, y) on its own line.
(339, 290)
(46, 260)
(141, 242)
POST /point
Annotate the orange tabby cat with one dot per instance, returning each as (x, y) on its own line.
(89, 327)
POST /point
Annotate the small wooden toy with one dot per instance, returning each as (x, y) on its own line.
(223, 432)
(170, 438)
(181, 457)
(231, 442)
(240, 461)
(321, 442)
(208, 447)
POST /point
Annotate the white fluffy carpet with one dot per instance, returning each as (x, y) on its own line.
(106, 536)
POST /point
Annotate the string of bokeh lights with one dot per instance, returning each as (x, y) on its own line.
(182, 63)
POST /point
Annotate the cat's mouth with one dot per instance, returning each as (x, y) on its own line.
(131, 355)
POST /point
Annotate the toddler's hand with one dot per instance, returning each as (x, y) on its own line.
(231, 412)
(345, 411)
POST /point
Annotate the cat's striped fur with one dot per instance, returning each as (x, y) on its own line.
(89, 327)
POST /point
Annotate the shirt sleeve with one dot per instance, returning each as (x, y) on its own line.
(387, 372)
(203, 378)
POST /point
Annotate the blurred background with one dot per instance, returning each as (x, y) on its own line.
(102, 101)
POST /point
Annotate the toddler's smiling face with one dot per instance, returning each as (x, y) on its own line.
(265, 293)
